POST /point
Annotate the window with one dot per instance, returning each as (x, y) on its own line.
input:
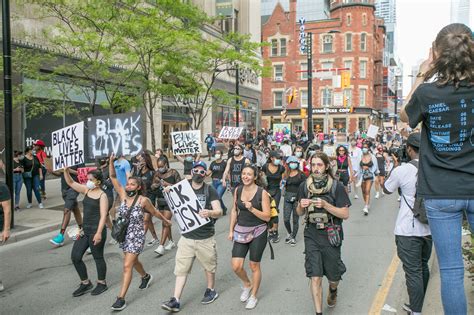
(347, 97)
(362, 97)
(304, 66)
(327, 44)
(326, 65)
(348, 64)
(348, 19)
(349, 42)
(326, 97)
(303, 98)
(363, 42)
(362, 124)
(278, 72)
(274, 47)
(283, 47)
(364, 19)
(340, 124)
(363, 69)
(278, 99)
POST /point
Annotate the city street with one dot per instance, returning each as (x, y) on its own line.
(40, 279)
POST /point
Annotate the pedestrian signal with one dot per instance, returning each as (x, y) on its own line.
(345, 79)
(303, 113)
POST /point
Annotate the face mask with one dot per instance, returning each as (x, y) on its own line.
(293, 166)
(277, 162)
(218, 156)
(298, 154)
(189, 158)
(33, 152)
(131, 193)
(237, 152)
(198, 178)
(162, 170)
(90, 184)
(365, 150)
(21, 157)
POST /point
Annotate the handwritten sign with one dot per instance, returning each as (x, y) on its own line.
(230, 132)
(68, 146)
(82, 174)
(372, 131)
(186, 142)
(120, 134)
(185, 206)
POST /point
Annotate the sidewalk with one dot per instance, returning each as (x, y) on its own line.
(35, 221)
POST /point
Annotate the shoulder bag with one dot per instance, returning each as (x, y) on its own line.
(120, 226)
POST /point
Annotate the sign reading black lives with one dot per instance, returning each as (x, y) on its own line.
(120, 134)
(68, 146)
(185, 206)
(186, 142)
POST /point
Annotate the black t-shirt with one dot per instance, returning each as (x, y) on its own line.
(245, 217)
(17, 164)
(218, 168)
(293, 182)
(107, 185)
(205, 196)
(32, 165)
(147, 179)
(171, 177)
(4, 196)
(188, 166)
(273, 179)
(446, 169)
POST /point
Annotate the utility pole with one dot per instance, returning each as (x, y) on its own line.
(7, 96)
(237, 100)
(395, 118)
(309, 54)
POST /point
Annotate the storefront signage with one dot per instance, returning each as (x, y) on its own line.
(331, 110)
(245, 75)
(68, 146)
(186, 142)
(302, 38)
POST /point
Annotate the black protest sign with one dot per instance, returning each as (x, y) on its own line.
(186, 142)
(68, 146)
(119, 134)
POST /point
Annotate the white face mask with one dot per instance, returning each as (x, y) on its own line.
(90, 184)
(218, 156)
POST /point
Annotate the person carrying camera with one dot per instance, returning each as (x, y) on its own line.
(325, 204)
(412, 237)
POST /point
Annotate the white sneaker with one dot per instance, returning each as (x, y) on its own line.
(152, 242)
(399, 199)
(366, 210)
(251, 303)
(41, 206)
(170, 245)
(356, 197)
(245, 295)
(2, 288)
(28, 206)
(160, 250)
(377, 195)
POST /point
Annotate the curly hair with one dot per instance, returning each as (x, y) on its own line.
(453, 56)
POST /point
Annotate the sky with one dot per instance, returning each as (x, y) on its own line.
(418, 23)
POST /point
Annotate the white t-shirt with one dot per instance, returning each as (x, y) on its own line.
(286, 149)
(405, 177)
(356, 154)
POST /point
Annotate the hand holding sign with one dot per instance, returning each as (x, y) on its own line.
(68, 146)
(186, 142)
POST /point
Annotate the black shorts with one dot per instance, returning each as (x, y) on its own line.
(70, 199)
(322, 260)
(382, 172)
(256, 248)
(343, 178)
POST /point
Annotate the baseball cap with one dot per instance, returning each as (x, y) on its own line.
(414, 140)
(40, 143)
(200, 164)
(292, 159)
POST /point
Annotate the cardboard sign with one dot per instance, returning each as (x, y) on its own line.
(82, 174)
(120, 134)
(68, 146)
(230, 132)
(372, 131)
(186, 142)
(185, 206)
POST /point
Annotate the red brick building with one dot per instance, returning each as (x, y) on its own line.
(351, 38)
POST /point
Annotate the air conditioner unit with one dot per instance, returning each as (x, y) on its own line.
(279, 78)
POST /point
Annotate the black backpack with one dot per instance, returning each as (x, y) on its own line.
(418, 209)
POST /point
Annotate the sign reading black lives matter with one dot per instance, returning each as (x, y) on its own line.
(186, 142)
(68, 146)
(120, 134)
(230, 132)
(185, 206)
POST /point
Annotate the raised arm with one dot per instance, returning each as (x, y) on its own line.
(74, 185)
(113, 177)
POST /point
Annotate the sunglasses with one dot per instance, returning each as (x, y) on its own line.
(200, 172)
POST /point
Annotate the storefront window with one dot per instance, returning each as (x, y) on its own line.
(340, 124)
(318, 125)
(362, 124)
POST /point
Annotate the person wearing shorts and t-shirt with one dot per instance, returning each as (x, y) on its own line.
(5, 216)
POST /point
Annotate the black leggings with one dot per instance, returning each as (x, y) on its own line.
(79, 248)
(256, 248)
(289, 210)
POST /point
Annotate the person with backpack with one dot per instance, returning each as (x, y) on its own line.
(325, 204)
(412, 236)
(234, 167)
(199, 243)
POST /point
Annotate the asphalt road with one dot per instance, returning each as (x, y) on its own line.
(40, 279)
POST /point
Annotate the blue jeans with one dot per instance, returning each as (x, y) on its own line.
(17, 183)
(43, 181)
(445, 218)
(217, 184)
(33, 184)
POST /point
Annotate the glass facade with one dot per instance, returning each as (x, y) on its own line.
(311, 10)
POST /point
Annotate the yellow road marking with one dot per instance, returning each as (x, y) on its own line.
(384, 289)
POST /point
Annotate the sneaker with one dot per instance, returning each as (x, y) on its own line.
(2, 288)
(244, 296)
(160, 250)
(209, 296)
(41, 206)
(332, 297)
(356, 196)
(83, 288)
(99, 289)
(407, 308)
(112, 242)
(276, 237)
(288, 239)
(88, 251)
(377, 195)
(170, 245)
(28, 206)
(251, 303)
(293, 242)
(171, 306)
(366, 210)
(152, 242)
(146, 281)
(58, 240)
(399, 199)
(119, 305)
(271, 235)
(17, 208)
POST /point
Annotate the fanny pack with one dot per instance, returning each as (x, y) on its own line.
(245, 234)
(367, 175)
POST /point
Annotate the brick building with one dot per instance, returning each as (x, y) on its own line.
(352, 37)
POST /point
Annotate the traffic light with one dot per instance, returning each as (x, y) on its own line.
(290, 99)
(345, 79)
(303, 113)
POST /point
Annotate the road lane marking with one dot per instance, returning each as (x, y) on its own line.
(384, 289)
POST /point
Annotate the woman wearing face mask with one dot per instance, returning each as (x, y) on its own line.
(164, 176)
(216, 171)
(93, 234)
(294, 178)
(344, 167)
(32, 176)
(368, 169)
(134, 205)
(234, 167)
(303, 166)
(273, 172)
(382, 163)
(17, 176)
(188, 161)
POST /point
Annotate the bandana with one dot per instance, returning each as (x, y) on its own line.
(319, 184)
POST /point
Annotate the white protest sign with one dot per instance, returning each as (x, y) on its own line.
(68, 146)
(185, 206)
(230, 132)
(372, 131)
(186, 142)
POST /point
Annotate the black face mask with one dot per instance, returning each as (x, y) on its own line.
(131, 193)
(198, 178)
